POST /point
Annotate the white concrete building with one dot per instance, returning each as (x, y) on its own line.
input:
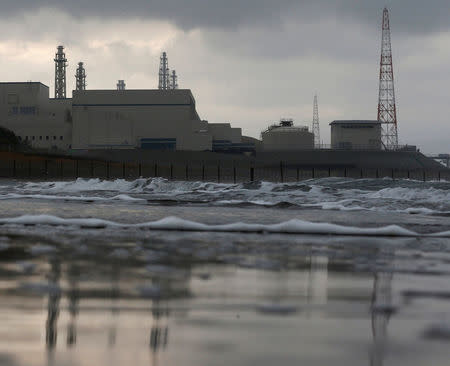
(27, 110)
(356, 134)
(287, 137)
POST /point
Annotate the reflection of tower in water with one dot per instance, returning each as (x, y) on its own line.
(317, 292)
(54, 297)
(73, 296)
(115, 292)
(381, 312)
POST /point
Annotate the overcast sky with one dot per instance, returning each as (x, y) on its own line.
(248, 62)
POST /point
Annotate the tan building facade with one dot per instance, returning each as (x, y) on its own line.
(148, 119)
(356, 134)
(27, 110)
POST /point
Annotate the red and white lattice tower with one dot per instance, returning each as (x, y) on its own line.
(387, 113)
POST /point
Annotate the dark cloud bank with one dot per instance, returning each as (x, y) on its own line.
(416, 16)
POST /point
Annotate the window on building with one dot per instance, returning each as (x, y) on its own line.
(26, 138)
(54, 137)
(40, 137)
(33, 138)
(61, 138)
(46, 137)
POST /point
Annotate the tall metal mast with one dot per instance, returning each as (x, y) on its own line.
(173, 80)
(315, 124)
(80, 77)
(121, 85)
(387, 113)
(164, 77)
(60, 73)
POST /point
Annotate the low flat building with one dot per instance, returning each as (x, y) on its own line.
(287, 137)
(228, 139)
(356, 134)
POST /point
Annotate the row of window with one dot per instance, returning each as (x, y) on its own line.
(23, 110)
(27, 138)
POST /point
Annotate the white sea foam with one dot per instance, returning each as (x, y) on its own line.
(407, 193)
(343, 194)
(120, 197)
(294, 226)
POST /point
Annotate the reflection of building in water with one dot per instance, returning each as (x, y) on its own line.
(159, 332)
(115, 292)
(73, 296)
(54, 296)
(381, 312)
(318, 281)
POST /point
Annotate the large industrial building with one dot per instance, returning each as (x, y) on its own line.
(112, 119)
(356, 134)
(157, 119)
(147, 119)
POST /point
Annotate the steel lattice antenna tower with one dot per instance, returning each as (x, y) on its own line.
(315, 124)
(80, 77)
(121, 85)
(164, 77)
(60, 73)
(173, 80)
(387, 113)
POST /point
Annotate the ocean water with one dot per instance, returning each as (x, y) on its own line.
(154, 272)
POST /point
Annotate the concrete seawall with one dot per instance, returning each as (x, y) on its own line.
(207, 166)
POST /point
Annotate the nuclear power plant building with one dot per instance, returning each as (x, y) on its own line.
(112, 119)
(147, 119)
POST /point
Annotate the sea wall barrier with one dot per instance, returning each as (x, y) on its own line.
(23, 166)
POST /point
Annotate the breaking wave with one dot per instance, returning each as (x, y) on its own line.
(343, 194)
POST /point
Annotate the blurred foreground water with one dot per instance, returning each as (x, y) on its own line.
(81, 283)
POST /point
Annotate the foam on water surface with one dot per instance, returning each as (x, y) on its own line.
(294, 226)
(342, 194)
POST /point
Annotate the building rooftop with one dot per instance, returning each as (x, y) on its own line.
(21, 82)
(355, 121)
(132, 97)
(286, 125)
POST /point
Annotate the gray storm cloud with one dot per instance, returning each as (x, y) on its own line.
(415, 16)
